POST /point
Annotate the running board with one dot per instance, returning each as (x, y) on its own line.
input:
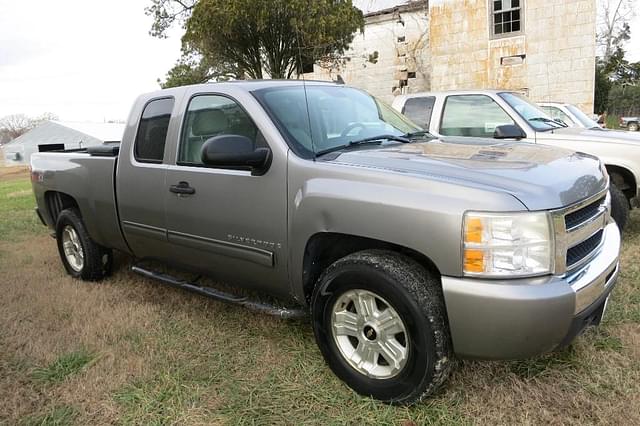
(254, 305)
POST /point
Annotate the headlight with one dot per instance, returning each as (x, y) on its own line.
(507, 245)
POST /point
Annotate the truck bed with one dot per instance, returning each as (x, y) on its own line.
(84, 179)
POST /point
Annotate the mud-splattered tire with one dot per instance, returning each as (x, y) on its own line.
(81, 256)
(619, 207)
(406, 322)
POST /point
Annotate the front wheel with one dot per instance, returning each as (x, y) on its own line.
(633, 127)
(380, 323)
(81, 256)
(619, 206)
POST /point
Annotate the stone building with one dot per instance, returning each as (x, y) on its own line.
(543, 48)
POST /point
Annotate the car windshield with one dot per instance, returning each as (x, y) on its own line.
(317, 118)
(582, 117)
(537, 118)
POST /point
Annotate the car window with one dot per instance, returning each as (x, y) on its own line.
(152, 131)
(535, 116)
(557, 113)
(213, 115)
(472, 115)
(583, 118)
(419, 110)
(315, 118)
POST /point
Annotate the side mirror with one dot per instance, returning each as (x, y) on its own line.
(509, 131)
(235, 152)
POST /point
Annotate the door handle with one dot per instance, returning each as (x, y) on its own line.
(182, 188)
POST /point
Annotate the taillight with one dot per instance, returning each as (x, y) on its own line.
(36, 176)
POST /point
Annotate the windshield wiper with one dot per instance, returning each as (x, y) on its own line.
(417, 134)
(546, 120)
(374, 140)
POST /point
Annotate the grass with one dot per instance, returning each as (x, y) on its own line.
(155, 355)
(58, 416)
(66, 365)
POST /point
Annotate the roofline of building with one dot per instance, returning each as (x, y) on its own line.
(407, 7)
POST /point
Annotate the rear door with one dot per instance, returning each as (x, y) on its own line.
(140, 180)
(233, 224)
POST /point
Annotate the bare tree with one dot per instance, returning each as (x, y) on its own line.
(16, 125)
(613, 25)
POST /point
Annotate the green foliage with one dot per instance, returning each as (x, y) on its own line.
(192, 69)
(602, 87)
(256, 36)
(64, 366)
(624, 100)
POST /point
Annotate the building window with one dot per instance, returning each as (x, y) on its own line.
(506, 17)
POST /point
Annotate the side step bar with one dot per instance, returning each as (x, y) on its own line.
(254, 305)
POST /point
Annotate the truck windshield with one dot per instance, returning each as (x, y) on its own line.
(583, 118)
(322, 118)
(537, 118)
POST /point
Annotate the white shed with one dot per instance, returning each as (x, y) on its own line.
(70, 134)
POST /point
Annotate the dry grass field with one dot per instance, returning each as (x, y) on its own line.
(132, 351)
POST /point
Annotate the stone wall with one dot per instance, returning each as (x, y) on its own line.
(391, 57)
(552, 59)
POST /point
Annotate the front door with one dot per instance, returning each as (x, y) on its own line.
(227, 223)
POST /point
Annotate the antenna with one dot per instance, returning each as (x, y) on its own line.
(304, 88)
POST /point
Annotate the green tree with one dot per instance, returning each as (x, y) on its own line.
(255, 37)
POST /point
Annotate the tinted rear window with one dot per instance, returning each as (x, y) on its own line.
(419, 110)
(152, 131)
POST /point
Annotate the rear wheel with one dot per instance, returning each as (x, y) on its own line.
(81, 256)
(379, 320)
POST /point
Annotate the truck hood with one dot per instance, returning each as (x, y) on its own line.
(579, 134)
(541, 177)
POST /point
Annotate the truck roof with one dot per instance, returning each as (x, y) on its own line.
(454, 92)
(248, 85)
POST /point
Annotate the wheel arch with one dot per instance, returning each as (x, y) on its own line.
(624, 179)
(56, 201)
(324, 248)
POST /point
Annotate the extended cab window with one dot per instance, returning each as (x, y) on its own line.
(213, 115)
(472, 115)
(152, 131)
(419, 110)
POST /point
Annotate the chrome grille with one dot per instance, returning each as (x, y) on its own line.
(578, 252)
(583, 214)
(579, 232)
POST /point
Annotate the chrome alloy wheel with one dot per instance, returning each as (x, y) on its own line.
(370, 334)
(72, 248)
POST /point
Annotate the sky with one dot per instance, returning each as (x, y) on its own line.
(83, 60)
(87, 60)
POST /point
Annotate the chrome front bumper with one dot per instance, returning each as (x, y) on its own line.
(509, 319)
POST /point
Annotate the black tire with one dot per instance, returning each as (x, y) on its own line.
(416, 295)
(633, 127)
(619, 207)
(98, 260)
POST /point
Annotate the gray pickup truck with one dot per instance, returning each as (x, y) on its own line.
(406, 250)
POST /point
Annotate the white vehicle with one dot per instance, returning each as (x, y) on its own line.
(570, 114)
(507, 115)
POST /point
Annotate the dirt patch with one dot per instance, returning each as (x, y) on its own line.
(14, 172)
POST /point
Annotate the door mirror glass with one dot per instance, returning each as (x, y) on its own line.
(235, 152)
(509, 131)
